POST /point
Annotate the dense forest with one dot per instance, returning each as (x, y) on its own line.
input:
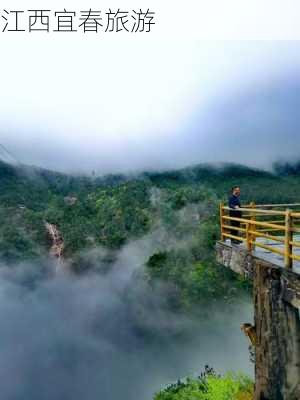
(179, 208)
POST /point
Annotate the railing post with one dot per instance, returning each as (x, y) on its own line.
(221, 221)
(248, 237)
(288, 248)
(253, 227)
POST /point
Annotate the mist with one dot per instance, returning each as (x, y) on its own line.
(168, 104)
(105, 334)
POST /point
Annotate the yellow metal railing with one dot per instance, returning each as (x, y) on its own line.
(275, 223)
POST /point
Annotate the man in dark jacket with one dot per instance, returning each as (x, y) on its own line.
(235, 205)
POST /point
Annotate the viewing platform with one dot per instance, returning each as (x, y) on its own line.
(262, 243)
(270, 232)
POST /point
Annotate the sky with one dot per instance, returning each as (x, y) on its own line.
(82, 105)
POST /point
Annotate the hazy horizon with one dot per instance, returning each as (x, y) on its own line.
(142, 106)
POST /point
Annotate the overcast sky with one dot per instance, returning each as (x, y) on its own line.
(81, 104)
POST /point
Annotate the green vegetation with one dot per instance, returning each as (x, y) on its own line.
(210, 386)
(180, 207)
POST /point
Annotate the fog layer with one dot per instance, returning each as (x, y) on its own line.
(105, 335)
(88, 105)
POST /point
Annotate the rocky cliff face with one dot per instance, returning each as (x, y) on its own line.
(278, 329)
(276, 298)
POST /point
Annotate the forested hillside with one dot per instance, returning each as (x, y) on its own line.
(179, 207)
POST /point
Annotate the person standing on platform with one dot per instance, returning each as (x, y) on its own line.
(234, 203)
